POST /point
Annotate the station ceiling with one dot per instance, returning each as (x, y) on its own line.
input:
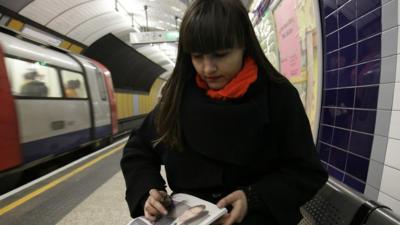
(84, 22)
(88, 20)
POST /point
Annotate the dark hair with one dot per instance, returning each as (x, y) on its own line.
(31, 75)
(207, 26)
(73, 84)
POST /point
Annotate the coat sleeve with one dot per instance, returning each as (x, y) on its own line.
(299, 174)
(140, 166)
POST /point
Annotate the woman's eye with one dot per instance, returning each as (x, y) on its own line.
(196, 56)
(220, 54)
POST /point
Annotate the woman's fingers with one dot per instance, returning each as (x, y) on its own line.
(153, 207)
(229, 199)
(234, 216)
(222, 220)
(150, 212)
(157, 205)
(156, 194)
(238, 201)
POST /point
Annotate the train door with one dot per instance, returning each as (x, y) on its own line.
(100, 101)
(111, 95)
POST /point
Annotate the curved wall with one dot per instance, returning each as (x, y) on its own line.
(359, 138)
(290, 37)
(359, 127)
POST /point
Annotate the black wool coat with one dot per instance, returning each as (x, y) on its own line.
(262, 140)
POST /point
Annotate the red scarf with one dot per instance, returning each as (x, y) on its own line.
(237, 87)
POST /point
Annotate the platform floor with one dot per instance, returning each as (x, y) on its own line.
(89, 192)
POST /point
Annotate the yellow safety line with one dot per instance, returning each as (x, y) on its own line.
(55, 182)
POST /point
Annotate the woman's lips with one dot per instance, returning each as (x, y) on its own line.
(213, 78)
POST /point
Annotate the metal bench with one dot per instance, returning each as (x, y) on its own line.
(335, 204)
(382, 217)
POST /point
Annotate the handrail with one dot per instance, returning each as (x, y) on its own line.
(382, 216)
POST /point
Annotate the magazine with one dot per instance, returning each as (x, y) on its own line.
(186, 210)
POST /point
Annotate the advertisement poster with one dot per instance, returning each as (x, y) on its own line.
(266, 34)
(288, 37)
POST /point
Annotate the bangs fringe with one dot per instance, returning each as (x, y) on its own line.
(212, 29)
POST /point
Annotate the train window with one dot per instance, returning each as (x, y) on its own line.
(102, 88)
(74, 84)
(32, 79)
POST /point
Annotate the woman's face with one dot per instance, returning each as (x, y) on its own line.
(218, 68)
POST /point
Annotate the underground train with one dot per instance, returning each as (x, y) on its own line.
(51, 103)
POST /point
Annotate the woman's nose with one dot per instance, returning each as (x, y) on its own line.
(209, 65)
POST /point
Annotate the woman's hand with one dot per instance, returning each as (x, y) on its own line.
(238, 201)
(156, 204)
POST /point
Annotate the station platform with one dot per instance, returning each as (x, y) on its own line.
(91, 191)
(88, 191)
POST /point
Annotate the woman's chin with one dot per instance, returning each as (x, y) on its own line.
(215, 86)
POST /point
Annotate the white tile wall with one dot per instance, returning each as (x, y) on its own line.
(393, 154)
(383, 2)
(389, 201)
(390, 182)
(385, 99)
(396, 97)
(389, 193)
(398, 69)
(379, 147)
(371, 193)
(389, 15)
(398, 10)
(394, 131)
(374, 173)
(382, 123)
(388, 69)
(389, 39)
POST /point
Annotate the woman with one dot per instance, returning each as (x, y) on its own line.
(229, 128)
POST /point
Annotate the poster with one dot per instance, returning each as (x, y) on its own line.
(288, 37)
(266, 34)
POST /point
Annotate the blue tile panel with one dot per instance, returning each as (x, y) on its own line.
(354, 183)
(331, 79)
(332, 42)
(369, 73)
(361, 144)
(347, 13)
(347, 35)
(329, 6)
(340, 138)
(337, 158)
(343, 118)
(369, 25)
(347, 77)
(352, 65)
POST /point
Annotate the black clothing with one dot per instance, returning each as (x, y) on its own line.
(262, 140)
(34, 89)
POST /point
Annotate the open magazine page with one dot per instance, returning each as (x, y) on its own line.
(186, 210)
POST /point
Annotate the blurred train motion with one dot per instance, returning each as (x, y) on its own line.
(51, 103)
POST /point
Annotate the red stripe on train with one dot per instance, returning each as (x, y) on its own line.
(10, 150)
(111, 96)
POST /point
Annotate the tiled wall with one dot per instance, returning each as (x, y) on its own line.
(359, 135)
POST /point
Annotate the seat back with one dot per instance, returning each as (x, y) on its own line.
(333, 205)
